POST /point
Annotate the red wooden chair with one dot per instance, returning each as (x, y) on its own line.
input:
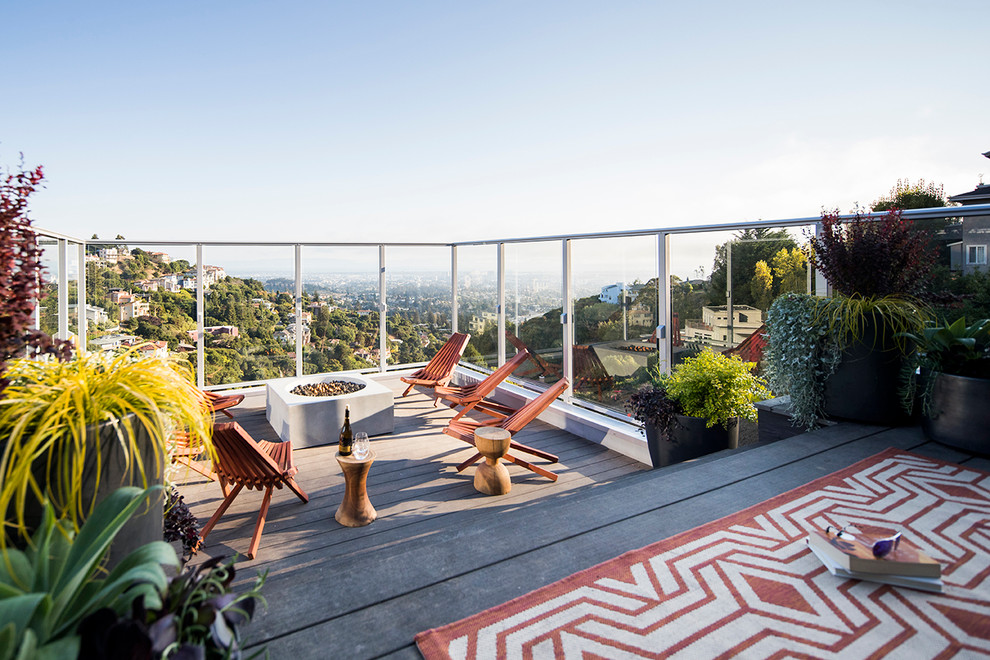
(589, 370)
(473, 396)
(440, 369)
(243, 462)
(463, 429)
(185, 453)
(542, 368)
(220, 402)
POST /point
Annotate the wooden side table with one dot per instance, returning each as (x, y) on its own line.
(491, 476)
(355, 510)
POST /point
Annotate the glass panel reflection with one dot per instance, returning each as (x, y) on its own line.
(418, 298)
(340, 303)
(615, 314)
(533, 308)
(477, 303)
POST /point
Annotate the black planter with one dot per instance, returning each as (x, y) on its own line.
(691, 439)
(865, 385)
(960, 413)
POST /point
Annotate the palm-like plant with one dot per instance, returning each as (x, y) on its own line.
(48, 589)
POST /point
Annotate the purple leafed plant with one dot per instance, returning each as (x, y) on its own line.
(872, 258)
(21, 272)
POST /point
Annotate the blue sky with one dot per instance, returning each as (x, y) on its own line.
(408, 121)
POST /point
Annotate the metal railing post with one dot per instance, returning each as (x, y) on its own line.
(453, 288)
(821, 284)
(63, 289)
(567, 322)
(382, 311)
(500, 307)
(298, 308)
(200, 320)
(664, 331)
(81, 299)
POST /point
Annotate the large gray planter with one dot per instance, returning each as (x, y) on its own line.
(960, 413)
(146, 525)
(691, 438)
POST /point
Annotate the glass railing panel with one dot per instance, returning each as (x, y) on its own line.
(249, 314)
(340, 308)
(418, 302)
(46, 315)
(477, 303)
(614, 281)
(533, 305)
(134, 295)
(756, 265)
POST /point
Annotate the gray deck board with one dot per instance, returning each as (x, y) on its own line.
(441, 551)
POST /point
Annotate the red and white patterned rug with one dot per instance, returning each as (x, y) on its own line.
(748, 586)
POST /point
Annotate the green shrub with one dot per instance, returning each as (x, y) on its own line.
(716, 387)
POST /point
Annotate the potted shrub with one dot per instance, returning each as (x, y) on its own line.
(955, 382)
(76, 431)
(845, 359)
(696, 409)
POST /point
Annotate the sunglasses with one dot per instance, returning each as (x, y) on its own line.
(881, 547)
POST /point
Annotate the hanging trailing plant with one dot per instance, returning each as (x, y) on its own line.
(800, 355)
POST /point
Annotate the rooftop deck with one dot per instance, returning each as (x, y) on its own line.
(441, 551)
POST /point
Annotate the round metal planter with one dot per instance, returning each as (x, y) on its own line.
(691, 439)
(960, 413)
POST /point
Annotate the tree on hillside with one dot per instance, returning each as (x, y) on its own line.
(748, 247)
(907, 195)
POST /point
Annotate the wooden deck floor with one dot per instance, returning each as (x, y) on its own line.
(440, 551)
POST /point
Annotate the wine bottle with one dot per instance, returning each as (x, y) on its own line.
(346, 437)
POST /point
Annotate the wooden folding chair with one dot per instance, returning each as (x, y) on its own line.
(542, 368)
(440, 369)
(184, 453)
(473, 396)
(243, 462)
(463, 429)
(589, 370)
(220, 402)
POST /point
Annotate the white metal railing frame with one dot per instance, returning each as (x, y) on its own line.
(662, 236)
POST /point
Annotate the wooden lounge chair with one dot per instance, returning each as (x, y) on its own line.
(473, 396)
(220, 402)
(243, 462)
(463, 429)
(542, 367)
(440, 369)
(185, 453)
(589, 370)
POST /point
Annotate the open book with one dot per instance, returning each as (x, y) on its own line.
(922, 583)
(856, 554)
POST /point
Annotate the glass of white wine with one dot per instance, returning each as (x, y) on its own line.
(361, 445)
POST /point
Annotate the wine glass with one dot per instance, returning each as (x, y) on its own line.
(361, 445)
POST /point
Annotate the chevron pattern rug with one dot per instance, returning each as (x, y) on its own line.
(748, 586)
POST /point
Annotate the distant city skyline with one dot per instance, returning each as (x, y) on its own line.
(441, 122)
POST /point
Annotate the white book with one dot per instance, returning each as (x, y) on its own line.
(922, 583)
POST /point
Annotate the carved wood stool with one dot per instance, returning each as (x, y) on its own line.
(491, 476)
(355, 509)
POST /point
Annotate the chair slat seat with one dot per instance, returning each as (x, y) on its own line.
(220, 402)
(439, 370)
(473, 396)
(463, 429)
(245, 463)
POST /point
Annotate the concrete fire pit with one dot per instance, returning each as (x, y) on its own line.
(308, 421)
